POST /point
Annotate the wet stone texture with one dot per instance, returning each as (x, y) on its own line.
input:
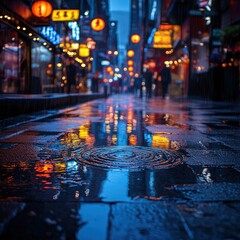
(123, 168)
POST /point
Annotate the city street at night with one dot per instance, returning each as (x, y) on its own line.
(123, 167)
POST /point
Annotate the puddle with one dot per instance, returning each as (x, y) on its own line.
(128, 157)
(107, 151)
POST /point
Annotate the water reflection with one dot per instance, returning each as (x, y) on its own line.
(112, 154)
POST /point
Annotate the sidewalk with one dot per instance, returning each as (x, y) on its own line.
(123, 168)
(16, 104)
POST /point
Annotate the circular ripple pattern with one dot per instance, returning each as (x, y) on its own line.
(129, 157)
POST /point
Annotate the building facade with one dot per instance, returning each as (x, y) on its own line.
(34, 51)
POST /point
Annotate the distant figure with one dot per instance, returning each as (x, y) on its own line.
(148, 75)
(71, 71)
(120, 85)
(158, 85)
(95, 80)
(137, 85)
(166, 79)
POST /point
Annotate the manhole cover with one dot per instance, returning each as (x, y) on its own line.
(128, 157)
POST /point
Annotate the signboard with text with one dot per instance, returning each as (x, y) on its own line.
(166, 36)
(65, 15)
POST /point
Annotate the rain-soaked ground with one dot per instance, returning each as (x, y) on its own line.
(123, 168)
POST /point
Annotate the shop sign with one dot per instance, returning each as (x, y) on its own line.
(167, 36)
(163, 37)
(49, 33)
(65, 15)
(84, 51)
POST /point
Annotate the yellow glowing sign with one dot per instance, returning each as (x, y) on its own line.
(65, 15)
(97, 24)
(160, 142)
(162, 39)
(84, 51)
(166, 36)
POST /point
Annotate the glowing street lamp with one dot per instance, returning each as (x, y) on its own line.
(135, 38)
(130, 62)
(130, 53)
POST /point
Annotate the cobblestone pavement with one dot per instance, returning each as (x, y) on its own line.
(123, 168)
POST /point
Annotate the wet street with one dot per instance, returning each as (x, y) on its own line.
(123, 168)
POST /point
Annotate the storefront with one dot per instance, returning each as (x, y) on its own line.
(26, 55)
(14, 58)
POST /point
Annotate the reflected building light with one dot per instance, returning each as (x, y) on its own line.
(107, 119)
(111, 117)
(207, 175)
(116, 115)
(159, 141)
(114, 139)
(175, 145)
(72, 165)
(166, 117)
(83, 131)
(108, 128)
(115, 127)
(148, 138)
(73, 138)
(130, 115)
(44, 167)
(60, 167)
(55, 197)
(133, 140)
(146, 118)
(154, 10)
(90, 140)
(134, 124)
(87, 191)
(77, 194)
(84, 169)
(129, 128)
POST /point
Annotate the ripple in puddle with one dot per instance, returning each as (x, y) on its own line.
(129, 157)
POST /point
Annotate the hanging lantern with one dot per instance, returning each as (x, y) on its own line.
(130, 53)
(97, 24)
(130, 69)
(130, 62)
(135, 38)
(42, 8)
